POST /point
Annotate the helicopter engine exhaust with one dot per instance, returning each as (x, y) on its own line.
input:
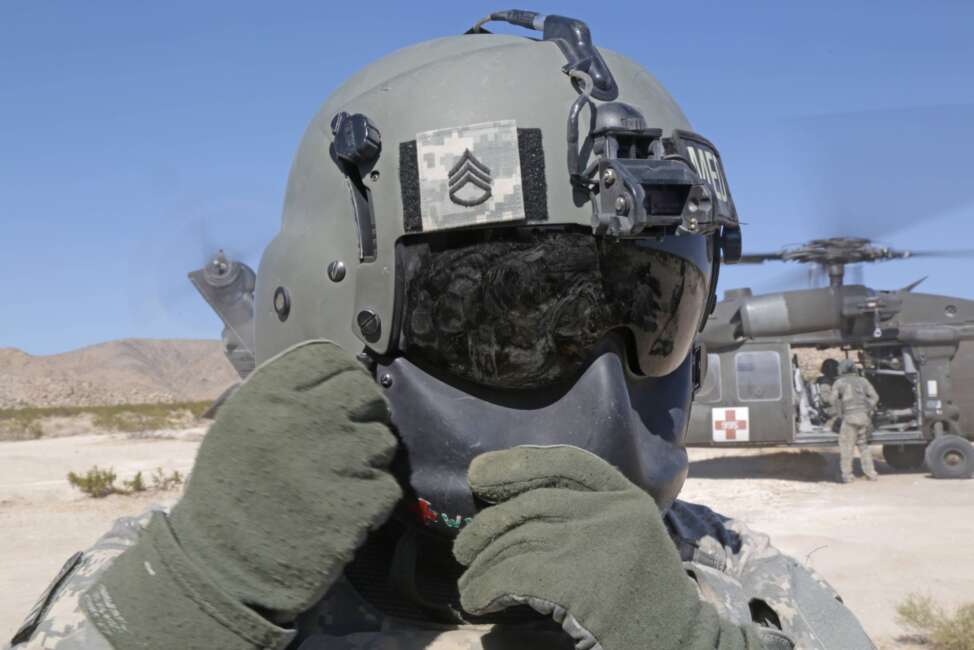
(791, 312)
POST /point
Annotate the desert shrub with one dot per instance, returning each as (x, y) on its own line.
(932, 624)
(160, 481)
(25, 423)
(135, 484)
(97, 483)
(145, 417)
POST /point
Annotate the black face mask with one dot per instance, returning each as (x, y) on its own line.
(525, 308)
(636, 423)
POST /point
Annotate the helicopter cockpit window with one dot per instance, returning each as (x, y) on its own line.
(710, 387)
(758, 376)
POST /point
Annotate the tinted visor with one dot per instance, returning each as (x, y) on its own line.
(523, 308)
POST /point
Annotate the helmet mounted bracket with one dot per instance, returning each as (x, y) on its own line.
(355, 150)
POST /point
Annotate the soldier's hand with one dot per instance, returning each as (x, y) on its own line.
(574, 539)
(290, 478)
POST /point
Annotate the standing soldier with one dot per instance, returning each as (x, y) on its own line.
(487, 450)
(854, 399)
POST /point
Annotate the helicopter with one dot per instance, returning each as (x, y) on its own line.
(916, 349)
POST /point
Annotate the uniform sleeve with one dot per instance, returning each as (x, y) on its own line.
(791, 596)
(58, 621)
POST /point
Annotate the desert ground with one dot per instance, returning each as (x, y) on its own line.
(875, 542)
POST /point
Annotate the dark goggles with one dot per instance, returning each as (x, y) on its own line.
(524, 308)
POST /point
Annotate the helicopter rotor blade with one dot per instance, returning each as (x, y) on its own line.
(959, 253)
(160, 291)
(759, 258)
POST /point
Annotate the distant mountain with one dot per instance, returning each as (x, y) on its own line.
(128, 371)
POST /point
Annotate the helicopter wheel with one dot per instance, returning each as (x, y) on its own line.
(950, 456)
(904, 457)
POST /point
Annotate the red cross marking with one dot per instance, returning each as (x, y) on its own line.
(730, 425)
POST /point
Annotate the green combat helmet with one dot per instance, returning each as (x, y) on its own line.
(521, 237)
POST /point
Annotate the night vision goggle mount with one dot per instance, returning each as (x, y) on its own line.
(638, 180)
(641, 180)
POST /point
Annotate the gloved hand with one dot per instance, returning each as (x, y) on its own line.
(290, 478)
(574, 539)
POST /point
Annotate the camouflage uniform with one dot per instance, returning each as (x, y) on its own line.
(735, 569)
(855, 399)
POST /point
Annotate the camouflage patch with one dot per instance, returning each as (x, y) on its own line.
(63, 624)
(470, 175)
(722, 591)
(34, 617)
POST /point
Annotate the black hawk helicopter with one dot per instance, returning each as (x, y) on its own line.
(917, 350)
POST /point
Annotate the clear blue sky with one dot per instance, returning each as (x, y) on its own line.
(128, 129)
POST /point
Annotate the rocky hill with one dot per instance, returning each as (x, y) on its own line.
(129, 371)
(149, 371)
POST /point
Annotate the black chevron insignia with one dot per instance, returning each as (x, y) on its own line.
(469, 171)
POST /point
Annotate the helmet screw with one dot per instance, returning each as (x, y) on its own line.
(282, 303)
(609, 177)
(385, 380)
(336, 271)
(370, 325)
(622, 205)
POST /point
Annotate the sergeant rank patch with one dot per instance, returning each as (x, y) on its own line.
(469, 175)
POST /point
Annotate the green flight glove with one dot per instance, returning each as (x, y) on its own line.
(289, 480)
(574, 539)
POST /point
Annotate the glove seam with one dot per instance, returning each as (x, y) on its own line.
(318, 381)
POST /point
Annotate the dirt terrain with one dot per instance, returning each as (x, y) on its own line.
(129, 371)
(876, 542)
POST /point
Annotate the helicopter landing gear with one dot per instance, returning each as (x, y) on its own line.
(904, 457)
(950, 456)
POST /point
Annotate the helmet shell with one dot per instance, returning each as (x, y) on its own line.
(449, 82)
(847, 366)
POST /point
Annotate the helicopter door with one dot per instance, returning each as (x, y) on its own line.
(708, 396)
(763, 399)
(746, 397)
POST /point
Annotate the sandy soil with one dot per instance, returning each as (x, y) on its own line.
(44, 520)
(875, 542)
